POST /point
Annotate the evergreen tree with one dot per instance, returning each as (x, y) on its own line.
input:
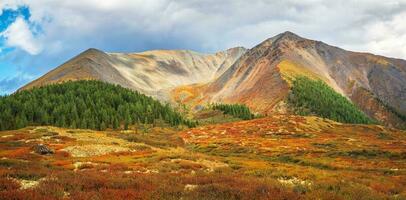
(102, 126)
(115, 123)
(21, 121)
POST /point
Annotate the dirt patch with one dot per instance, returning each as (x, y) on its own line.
(211, 165)
(94, 150)
(294, 182)
(27, 184)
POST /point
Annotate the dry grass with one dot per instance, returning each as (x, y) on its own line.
(290, 70)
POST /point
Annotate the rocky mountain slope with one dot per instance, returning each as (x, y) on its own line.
(261, 77)
(150, 72)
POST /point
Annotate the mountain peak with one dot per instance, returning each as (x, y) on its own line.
(236, 50)
(92, 50)
(285, 36)
(289, 35)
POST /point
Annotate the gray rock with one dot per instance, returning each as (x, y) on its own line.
(42, 149)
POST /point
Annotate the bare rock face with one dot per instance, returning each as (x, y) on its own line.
(152, 72)
(42, 149)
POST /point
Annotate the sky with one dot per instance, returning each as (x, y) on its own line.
(38, 35)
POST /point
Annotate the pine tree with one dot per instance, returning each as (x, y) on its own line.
(102, 126)
(21, 121)
(115, 123)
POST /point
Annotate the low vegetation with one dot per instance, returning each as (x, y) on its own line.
(315, 97)
(85, 105)
(276, 157)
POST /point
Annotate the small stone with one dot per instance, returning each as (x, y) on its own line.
(42, 149)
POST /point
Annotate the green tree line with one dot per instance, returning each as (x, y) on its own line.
(86, 105)
(237, 110)
(315, 97)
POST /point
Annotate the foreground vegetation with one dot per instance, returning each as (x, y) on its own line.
(84, 104)
(278, 157)
(315, 97)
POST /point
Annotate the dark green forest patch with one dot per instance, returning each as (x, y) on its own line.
(314, 97)
(86, 105)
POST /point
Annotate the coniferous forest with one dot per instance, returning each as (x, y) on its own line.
(86, 105)
(315, 97)
(236, 110)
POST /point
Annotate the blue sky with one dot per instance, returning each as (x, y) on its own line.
(7, 17)
(38, 35)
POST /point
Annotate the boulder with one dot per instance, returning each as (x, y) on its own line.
(42, 149)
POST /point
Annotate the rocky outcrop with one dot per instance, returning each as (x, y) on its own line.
(42, 149)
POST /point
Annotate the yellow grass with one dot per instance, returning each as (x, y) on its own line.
(290, 70)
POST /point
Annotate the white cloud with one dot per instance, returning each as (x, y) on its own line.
(68, 27)
(9, 4)
(388, 37)
(211, 25)
(18, 34)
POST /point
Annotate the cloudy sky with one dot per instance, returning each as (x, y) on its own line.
(38, 35)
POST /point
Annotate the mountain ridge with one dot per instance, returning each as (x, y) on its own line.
(258, 77)
(150, 72)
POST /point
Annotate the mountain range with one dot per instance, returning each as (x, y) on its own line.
(152, 72)
(260, 77)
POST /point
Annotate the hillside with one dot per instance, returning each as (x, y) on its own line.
(151, 72)
(280, 157)
(86, 105)
(262, 78)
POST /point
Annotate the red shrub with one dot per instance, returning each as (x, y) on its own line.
(8, 184)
